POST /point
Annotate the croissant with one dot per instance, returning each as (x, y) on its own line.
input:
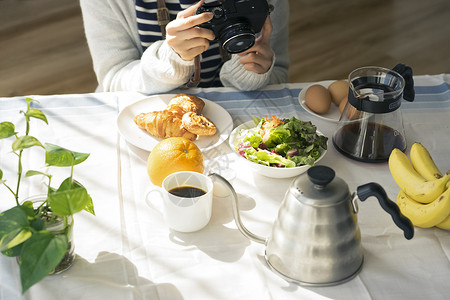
(163, 124)
(183, 103)
(198, 124)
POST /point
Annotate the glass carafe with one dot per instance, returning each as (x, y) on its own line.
(371, 124)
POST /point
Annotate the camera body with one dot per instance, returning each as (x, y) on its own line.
(236, 22)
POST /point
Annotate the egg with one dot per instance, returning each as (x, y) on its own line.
(318, 98)
(342, 103)
(352, 113)
(338, 90)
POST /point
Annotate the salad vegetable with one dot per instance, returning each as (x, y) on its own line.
(281, 143)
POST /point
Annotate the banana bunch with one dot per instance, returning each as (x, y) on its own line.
(425, 192)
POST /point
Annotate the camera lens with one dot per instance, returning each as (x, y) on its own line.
(237, 38)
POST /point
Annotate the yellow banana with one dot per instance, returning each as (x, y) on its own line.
(414, 185)
(425, 215)
(423, 163)
(446, 223)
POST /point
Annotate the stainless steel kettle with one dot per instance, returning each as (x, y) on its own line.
(315, 239)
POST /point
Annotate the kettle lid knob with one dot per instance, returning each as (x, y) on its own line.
(321, 175)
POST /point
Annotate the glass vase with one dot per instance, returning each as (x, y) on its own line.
(56, 227)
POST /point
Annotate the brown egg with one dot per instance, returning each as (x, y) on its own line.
(342, 103)
(338, 90)
(352, 112)
(318, 98)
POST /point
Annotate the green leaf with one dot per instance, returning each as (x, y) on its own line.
(7, 129)
(37, 224)
(16, 238)
(29, 100)
(28, 206)
(14, 227)
(267, 158)
(61, 157)
(30, 173)
(58, 156)
(254, 139)
(277, 136)
(90, 206)
(14, 251)
(24, 142)
(37, 114)
(256, 120)
(40, 255)
(70, 198)
(1, 176)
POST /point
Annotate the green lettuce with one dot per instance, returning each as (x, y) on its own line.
(293, 143)
(267, 158)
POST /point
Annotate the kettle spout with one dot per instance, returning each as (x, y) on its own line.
(236, 215)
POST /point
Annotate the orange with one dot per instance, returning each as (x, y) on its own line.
(172, 155)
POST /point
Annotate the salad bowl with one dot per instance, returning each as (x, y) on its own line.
(268, 171)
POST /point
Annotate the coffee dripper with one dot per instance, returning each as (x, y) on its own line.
(371, 124)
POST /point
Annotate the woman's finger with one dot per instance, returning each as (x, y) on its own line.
(190, 11)
(266, 31)
(190, 33)
(186, 23)
(188, 49)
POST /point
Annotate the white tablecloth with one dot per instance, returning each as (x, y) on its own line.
(126, 251)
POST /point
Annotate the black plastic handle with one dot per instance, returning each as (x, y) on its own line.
(374, 189)
(408, 92)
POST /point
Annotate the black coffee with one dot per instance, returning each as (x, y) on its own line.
(187, 192)
(379, 142)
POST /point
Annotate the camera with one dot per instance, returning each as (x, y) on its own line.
(236, 22)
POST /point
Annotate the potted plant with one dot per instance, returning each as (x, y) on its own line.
(38, 231)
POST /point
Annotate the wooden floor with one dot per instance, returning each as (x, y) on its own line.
(43, 49)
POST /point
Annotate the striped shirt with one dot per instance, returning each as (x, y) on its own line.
(150, 31)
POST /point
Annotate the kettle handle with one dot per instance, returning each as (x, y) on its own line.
(374, 189)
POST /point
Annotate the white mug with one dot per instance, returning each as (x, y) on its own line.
(186, 212)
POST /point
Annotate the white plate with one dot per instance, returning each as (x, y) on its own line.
(141, 139)
(332, 115)
(267, 171)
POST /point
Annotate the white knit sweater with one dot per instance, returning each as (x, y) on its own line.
(121, 65)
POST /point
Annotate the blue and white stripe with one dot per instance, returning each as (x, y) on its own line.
(432, 92)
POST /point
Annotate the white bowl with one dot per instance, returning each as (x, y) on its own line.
(267, 171)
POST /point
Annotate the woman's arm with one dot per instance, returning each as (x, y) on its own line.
(117, 56)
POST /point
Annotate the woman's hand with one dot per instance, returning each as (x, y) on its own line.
(259, 58)
(183, 35)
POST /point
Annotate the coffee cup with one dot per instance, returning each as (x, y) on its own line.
(187, 200)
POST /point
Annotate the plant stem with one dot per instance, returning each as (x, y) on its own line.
(7, 186)
(19, 177)
(71, 175)
(49, 184)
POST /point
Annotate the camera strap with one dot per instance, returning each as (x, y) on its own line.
(163, 16)
(195, 79)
